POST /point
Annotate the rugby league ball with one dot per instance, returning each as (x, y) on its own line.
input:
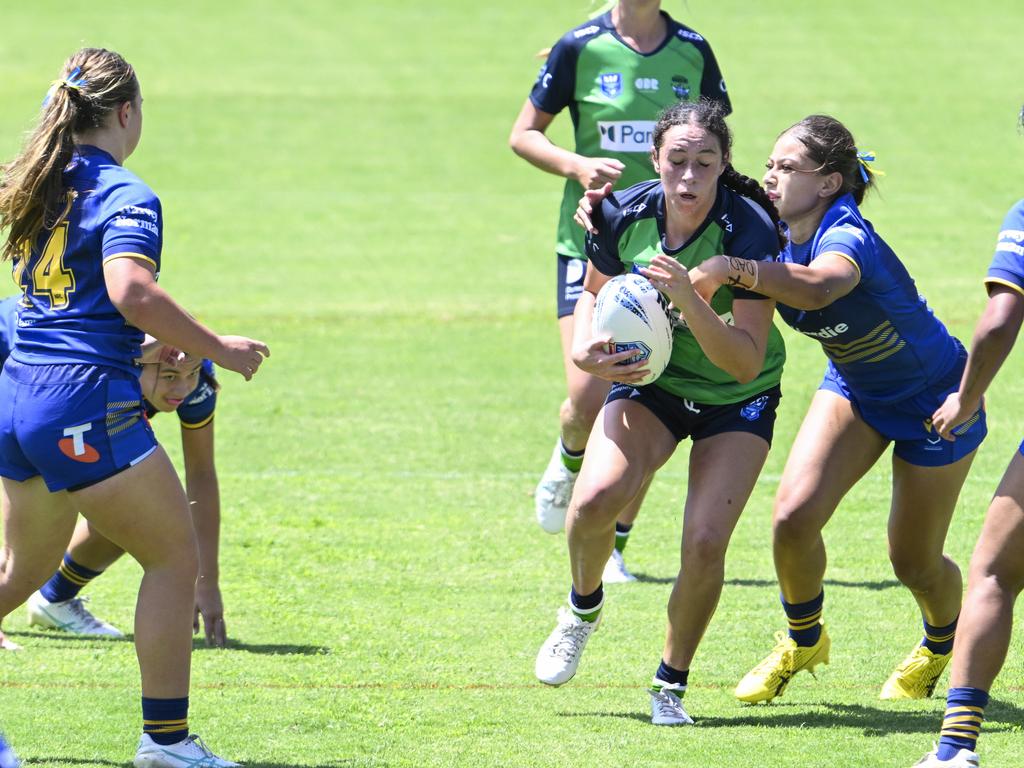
(635, 315)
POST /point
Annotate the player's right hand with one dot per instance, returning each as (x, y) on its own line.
(241, 355)
(594, 172)
(585, 207)
(597, 359)
(951, 414)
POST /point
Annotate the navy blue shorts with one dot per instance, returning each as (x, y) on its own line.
(908, 423)
(570, 283)
(685, 418)
(74, 424)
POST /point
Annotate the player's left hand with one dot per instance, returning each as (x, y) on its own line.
(951, 414)
(155, 351)
(671, 278)
(210, 607)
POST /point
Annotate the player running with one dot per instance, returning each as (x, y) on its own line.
(721, 388)
(85, 235)
(996, 573)
(614, 73)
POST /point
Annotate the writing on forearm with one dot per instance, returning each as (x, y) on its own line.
(742, 273)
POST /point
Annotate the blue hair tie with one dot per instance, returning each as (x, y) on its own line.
(72, 81)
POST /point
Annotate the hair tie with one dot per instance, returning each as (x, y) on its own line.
(863, 158)
(71, 81)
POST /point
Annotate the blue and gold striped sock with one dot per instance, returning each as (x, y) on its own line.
(572, 460)
(68, 581)
(939, 640)
(805, 619)
(165, 720)
(621, 535)
(961, 725)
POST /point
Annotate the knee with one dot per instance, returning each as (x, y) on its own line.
(792, 525)
(596, 506)
(178, 555)
(704, 553)
(916, 571)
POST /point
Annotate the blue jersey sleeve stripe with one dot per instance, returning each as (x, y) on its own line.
(197, 425)
(1009, 284)
(847, 256)
(130, 255)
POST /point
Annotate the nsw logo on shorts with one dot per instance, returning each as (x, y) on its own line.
(73, 445)
(752, 410)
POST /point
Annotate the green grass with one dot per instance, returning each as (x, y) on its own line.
(336, 181)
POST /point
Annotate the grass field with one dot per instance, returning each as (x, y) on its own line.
(336, 181)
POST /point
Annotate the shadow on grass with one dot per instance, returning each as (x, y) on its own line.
(875, 586)
(355, 762)
(65, 637)
(871, 721)
(198, 643)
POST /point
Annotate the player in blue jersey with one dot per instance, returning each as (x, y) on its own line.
(614, 74)
(85, 235)
(996, 573)
(891, 363)
(721, 388)
(189, 388)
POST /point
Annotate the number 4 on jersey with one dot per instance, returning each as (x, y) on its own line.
(49, 277)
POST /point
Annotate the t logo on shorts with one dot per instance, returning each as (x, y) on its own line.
(74, 446)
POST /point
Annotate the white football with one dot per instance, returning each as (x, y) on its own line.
(635, 315)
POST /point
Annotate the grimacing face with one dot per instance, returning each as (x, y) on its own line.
(793, 181)
(689, 163)
(166, 386)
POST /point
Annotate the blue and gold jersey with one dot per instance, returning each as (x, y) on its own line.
(66, 314)
(631, 232)
(196, 411)
(614, 95)
(1007, 266)
(8, 326)
(882, 336)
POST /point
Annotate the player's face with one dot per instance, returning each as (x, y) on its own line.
(689, 164)
(793, 181)
(166, 387)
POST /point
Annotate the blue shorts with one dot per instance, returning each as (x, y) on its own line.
(74, 424)
(570, 283)
(908, 423)
(685, 418)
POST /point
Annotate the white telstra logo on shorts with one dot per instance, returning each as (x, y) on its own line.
(75, 433)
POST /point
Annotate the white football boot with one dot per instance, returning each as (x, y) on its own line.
(962, 759)
(551, 499)
(187, 753)
(615, 571)
(68, 616)
(667, 706)
(558, 658)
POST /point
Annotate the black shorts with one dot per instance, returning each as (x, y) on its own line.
(685, 418)
(570, 283)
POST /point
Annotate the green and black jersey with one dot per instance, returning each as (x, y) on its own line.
(631, 232)
(615, 95)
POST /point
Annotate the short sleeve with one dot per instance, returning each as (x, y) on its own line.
(555, 88)
(134, 224)
(1007, 267)
(603, 248)
(753, 237)
(850, 241)
(197, 410)
(712, 84)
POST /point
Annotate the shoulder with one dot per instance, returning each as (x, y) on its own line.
(684, 33)
(844, 224)
(1014, 220)
(577, 38)
(641, 201)
(748, 230)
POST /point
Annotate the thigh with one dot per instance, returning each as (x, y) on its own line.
(923, 501)
(722, 474)
(143, 510)
(627, 445)
(37, 526)
(1000, 548)
(832, 451)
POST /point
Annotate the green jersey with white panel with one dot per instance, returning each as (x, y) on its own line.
(615, 95)
(631, 232)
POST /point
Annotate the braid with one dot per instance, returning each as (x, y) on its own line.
(748, 187)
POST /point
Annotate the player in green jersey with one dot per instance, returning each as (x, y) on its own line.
(614, 73)
(721, 387)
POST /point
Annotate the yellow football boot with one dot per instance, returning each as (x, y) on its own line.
(916, 675)
(770, 678)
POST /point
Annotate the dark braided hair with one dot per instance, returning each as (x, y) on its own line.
(710, 115)
(831, 147)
